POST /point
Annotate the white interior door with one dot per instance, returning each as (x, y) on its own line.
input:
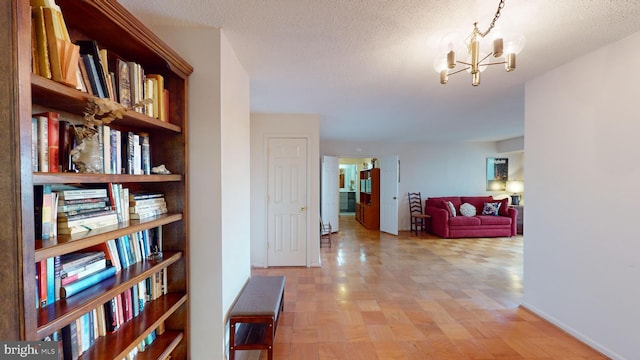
(330, 196)
(389, 194)
(287, 214)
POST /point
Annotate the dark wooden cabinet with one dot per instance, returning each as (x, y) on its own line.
(519, 219)
(22, 94)
(368, 207)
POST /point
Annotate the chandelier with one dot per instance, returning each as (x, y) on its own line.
(506, 46)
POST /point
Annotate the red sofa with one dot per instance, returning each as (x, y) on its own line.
(445, 225)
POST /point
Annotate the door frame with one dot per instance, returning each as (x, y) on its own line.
(313, 204)
(327, 190)
(389, 164)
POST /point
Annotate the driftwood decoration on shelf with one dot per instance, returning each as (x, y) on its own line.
(99, 111)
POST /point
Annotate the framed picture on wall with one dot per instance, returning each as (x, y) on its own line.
(497, 174)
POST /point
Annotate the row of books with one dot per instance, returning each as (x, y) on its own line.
(80, 335)
(53, 54)
(145, 89)
(63, 276)
(128, 153)
(51, 142)
(62, 209)
(87, 67)
(53, 139)
(122, 81)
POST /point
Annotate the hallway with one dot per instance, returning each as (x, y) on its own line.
(379, 296)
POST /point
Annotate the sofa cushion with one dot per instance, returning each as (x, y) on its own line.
(465, 221)
(504, 207)
(477, 201)
(494, 220)
(491, 208)
(467, 209)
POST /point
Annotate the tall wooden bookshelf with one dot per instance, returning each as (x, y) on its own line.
(125, 37)
(368, 206)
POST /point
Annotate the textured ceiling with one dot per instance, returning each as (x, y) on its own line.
(366, 66)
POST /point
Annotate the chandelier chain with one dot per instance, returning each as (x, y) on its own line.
(493, 22)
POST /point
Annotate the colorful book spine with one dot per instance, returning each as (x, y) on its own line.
(53, 135)
(34, 144)
(146, 153)
(113, 136)
(57, 269)
(47, 205)
(92, 72)
(42, 283)
(70, 341)
(134, 300)
(124, 259)
(78, 286)
(65, 145)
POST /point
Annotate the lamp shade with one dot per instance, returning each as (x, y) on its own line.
(515, 186)
(513, 43)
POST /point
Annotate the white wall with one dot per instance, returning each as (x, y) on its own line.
(218, 142)
(235, 172)
(510, 145)
(433, 169)
(581, 251)
(282, 125)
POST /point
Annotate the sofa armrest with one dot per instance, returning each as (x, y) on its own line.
(513, 214)
(439, 221)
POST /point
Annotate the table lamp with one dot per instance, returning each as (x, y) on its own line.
(515, 187)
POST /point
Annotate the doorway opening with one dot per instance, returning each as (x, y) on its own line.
(364, 187)
(349, 185)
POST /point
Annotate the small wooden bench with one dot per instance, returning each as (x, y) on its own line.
(253, 319)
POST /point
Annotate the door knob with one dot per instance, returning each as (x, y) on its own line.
(395, 198)
(303, 208)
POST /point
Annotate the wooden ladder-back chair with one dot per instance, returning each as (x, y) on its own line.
(418, 218)
(325, 233)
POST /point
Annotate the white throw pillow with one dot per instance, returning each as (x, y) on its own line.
(467, 209)
(452, 208)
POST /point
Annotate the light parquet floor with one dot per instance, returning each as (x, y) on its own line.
(379, 296)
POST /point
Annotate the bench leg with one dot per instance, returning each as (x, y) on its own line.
(271, 333)
(232, 341)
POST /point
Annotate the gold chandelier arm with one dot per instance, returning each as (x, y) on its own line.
(494, 63)
(455, 72)
(485, 58)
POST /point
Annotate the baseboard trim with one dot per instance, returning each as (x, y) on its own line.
(572, 332)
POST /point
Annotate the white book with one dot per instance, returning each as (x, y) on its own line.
(43, 143)
(125, 204)
(137, 155)
(76, 194)
(115, 258)
(106, 149)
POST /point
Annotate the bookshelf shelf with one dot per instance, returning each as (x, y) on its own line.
(112, 346)
(41, 178)
(162, 347)
(49, 93)
(54, 317)
(63, 244)
(23, 94)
